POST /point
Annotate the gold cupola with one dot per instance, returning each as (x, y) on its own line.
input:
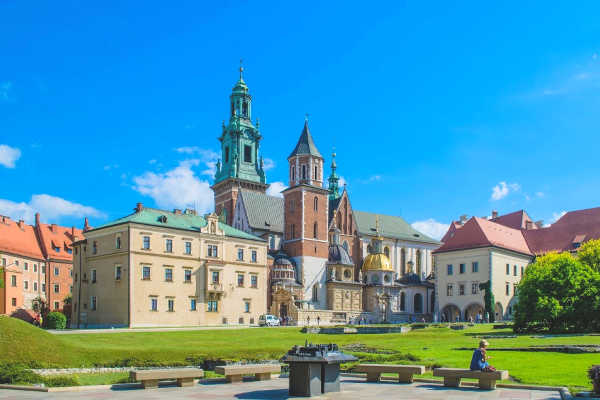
(377, 260)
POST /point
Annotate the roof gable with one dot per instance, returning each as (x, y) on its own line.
(306, 144)
(515, 220)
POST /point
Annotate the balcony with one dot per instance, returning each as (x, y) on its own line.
(214, 287)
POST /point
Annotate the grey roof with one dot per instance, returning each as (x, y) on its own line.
(264, 212)
(306, 145)
(338, 255)
(391, 227)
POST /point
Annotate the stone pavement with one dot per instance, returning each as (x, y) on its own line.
(352, 388)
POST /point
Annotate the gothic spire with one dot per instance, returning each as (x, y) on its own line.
(334, 189)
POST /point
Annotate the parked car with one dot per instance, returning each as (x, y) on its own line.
(268, 320)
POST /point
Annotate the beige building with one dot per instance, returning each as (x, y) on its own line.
(160, 268)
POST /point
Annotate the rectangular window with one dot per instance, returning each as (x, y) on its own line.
(215, 277)
(449, 290)
(26, 267)
(515, 288)
(247, 153)
(253, 281)
(169, 246)
(118, 242)
(4, 262)
(247, 306)
(146, 245)
(34, 267)
(56, 288)
(462, 268)
(241, 254)
(213, 306)
(94, 248)
(146, 273)
(515, 270)
(187, 275)
(188, 247)
(169, 274)
(56, 271)
(117, 272)
(44, 287)
(25, 285)
(93, 303)
(475, 266)
(56, 305)
(474, 288)
(508, 289)
(153, 304)
(522, 270)
(17, 263)
(171, 305)
(43, 269)
(253, 256)
(213, 251)
(192, 304)
(461, 289)
(507, 269)
(449, 269)
(93, 276)
(35, 286)
(240, 280)
(13, 280)
(14, 302)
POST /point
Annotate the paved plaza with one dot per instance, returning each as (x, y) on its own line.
(352, 388)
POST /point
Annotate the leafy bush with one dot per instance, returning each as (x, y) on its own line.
(18, 374)
(594, 375)
(61, 381)
(558, 293)
(55, 320)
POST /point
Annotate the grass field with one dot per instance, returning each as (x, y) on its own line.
(434, 346)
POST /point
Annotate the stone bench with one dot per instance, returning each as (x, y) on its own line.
(151, 377)
(487, 380)
(405, 372)
(235, 373)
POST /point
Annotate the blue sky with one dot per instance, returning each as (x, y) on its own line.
(435, 109)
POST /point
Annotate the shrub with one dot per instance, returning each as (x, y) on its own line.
(55, 320)
(594, 375)
(61, 381)
(16, 373)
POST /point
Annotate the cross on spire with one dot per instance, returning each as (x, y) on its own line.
(241, 70)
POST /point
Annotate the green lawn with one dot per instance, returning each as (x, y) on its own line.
(431, 347)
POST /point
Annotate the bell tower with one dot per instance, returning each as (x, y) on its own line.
(305, 218)
(240, 166)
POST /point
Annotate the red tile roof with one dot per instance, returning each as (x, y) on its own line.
(54, 237)
(515, 220)
(19, 238)
(454, 225)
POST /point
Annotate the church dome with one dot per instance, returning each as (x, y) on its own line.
(377, 262)
(283, 272)
(338, 255)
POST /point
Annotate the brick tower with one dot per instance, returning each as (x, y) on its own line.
(305, 218)
(240, 166)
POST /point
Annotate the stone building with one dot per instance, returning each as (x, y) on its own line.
(161, 268)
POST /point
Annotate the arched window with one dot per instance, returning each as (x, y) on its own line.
(315, 293)
(402, 302)
(293, 173)
(118, 243)
(316, 203)
(387, 251)
(418, 303)
(315, 231)
(213, 228)
(304, 172)
(403, 261)
(419, 262)
(245, 109)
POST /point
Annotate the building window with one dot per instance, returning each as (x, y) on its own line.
(449, 269)
(316, 173)
(461, 289)
(188, 247)
(272, 242)
(304, 172)
(146, 243)
(17, 263)
(247, 306)
(43, 269)
(402, 302)
(508, 289)
(215, 277)
(213, 251)
(56, 288)
(169, 246)
(44, 287)
(26, 267)
(515, 288)
(403, 261)
(169, 274)
(475, 266)
(316, 204)
(56, 305)
(117, 272)
(94, 248)
(192, 304)
(13, 280)
(449, 290)
(34, 267)
(118, 242)
(507, 269)
(25, 285)
(247, 153)
(213, 228)
(4, 262)
(14, 302)
(293, 173)
(240, 280)
(253, 281)
(56, 271)
(386, 251)
(146, 273)
(522, 270)
(240, 254)
(474, 288)
(226, 154)
(462, 268)
(35, 286)
(93, 275)
(292, 231)
(171, 305)
(315, 230)
(153, 304)
(93, 303)
(419, 268)
(315, 293)
(253, 256)
(187, 275)
(515, 270)
(213, 305)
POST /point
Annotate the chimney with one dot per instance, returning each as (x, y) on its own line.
(494, 214)
(86, 225)
(540, 223)
(72, 233)
(463, 219)
(177, 211)
(37, 219)
(139, 207)
(53, 228)
(528, 225)
(21, 223)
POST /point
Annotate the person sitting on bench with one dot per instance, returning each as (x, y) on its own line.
(480, 357)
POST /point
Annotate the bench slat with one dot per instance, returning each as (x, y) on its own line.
(171, 373)
(467, 373)
(390, 368)
(247, 369)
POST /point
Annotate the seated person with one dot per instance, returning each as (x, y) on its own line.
(480, 357)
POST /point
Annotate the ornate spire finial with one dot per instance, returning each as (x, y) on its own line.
(241, 70)
(306, 117)
(377, 225)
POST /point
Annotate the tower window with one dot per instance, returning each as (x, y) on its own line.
(293, 231)
(247, 153)
(226, 154)
(245, 109)
(316, 203)
(315, 231)
(304, 172)
(293, 173)
(316, 177)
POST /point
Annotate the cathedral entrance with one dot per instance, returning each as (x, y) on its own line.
(283, 310)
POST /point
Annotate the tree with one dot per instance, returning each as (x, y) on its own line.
(40, 306)
(589, 254)
(488, 300)
(1, 277)
(558, 293)
(68, 299)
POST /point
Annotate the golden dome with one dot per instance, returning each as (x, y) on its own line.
(378, 261)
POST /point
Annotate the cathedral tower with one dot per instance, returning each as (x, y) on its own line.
(305, 218)
(240, 166)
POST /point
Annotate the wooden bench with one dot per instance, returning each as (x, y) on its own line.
(235, 373)
(405, 372)
(151, 377)
(487, 380)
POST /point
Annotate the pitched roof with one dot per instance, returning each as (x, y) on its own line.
(515, 220)
(305, 144)
(479, 232)
(19, 238)
(263, 211)
(454, 225)
(391, 227)
(189, 222)
(56, 241)
(567, 233)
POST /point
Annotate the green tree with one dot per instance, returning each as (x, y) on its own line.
(68, 299)
(589, 254)
(488, 300)
(558, 293)
(1, 277)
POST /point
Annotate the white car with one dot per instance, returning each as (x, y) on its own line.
(268, 320)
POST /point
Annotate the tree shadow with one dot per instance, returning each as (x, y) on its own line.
(265, 394)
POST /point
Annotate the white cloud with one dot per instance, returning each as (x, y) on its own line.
(268, 164)
(5, 92)
(557, 215)
(502, 189)
(207, 156)
(153, 161)
(9, 155)
(540, 194)
(431, 228)
(111, 166)
(51, 208)
(342, 182)
(275, 189)
(177, 188)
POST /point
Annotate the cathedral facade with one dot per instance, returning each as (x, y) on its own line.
(328, 263)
